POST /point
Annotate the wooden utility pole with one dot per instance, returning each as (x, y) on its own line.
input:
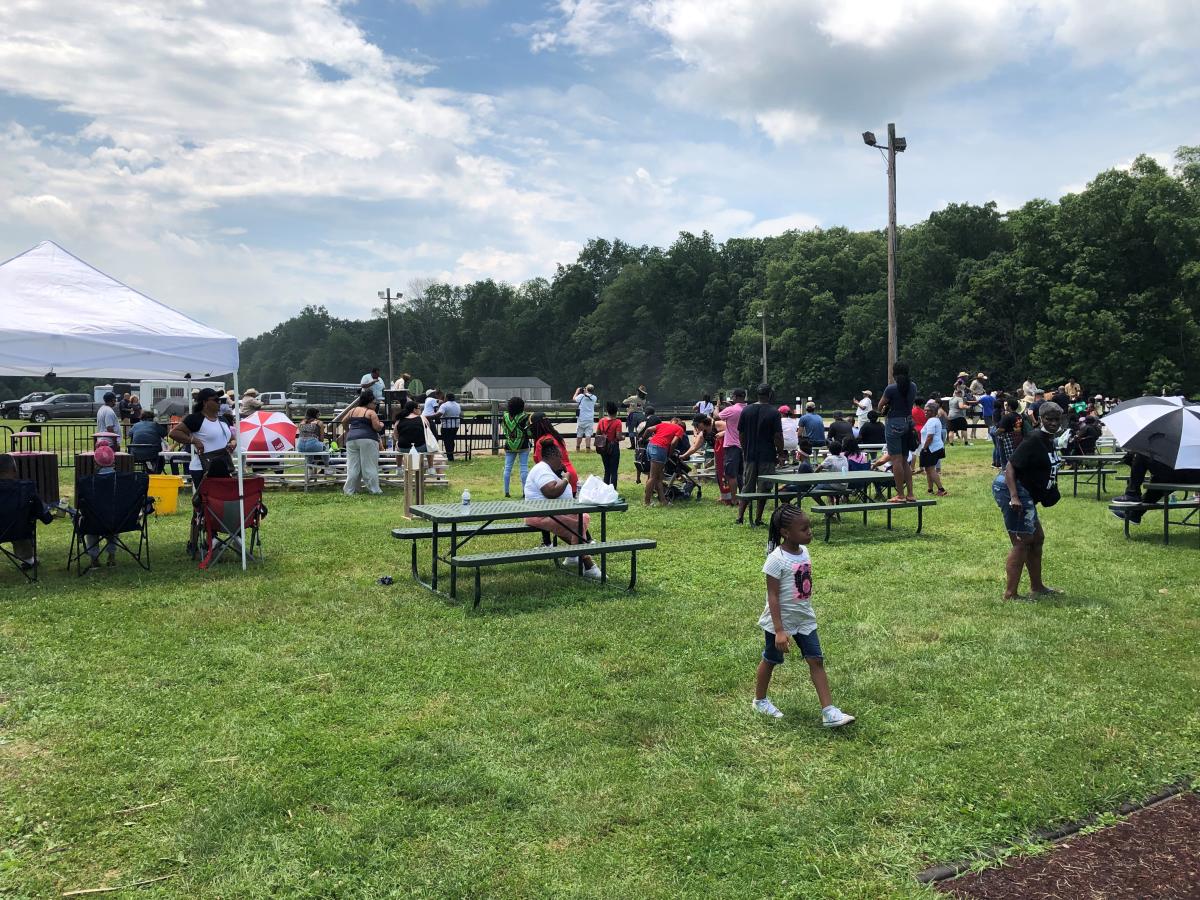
(891, 253)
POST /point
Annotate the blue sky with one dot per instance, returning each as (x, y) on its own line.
(241, 160)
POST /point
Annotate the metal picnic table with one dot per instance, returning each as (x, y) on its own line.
(566, 512)
(1190, 508)
(1093, 468)
(813, 479)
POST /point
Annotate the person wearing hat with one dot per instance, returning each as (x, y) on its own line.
(204, 432)
(635, 405)
(863, 405)
(107, 421)
(585, 424)
(791, 432)
(106, 461)
(250, 401)
(979, 385)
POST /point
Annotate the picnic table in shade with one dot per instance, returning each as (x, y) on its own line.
(460, 523)
(850, 480)
(1091, 468)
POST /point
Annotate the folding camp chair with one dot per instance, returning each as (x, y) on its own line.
(109, 506)
(19, 509)
(219, 513)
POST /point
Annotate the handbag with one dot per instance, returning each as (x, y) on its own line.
(912, 440)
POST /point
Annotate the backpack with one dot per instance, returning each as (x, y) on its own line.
(516, 432)
(603, 444)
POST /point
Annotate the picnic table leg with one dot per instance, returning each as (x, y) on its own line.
(1166, 501)
(828, 519)
(1099, 480)
(582, 538)
(414, 558)
(889, 517)
(478, 569)
(453, 553)
(433, 577)
(920, 511)
(632, 569)
(1074, 481)
(603, 538)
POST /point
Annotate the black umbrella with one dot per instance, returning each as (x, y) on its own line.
(1166, 429)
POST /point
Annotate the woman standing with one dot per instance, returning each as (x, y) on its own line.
(1029, 478)
(933, 450)
(609, 428)
(409, 430)
(514, 425)
(364, 440)
(897, 404)
(206, 434)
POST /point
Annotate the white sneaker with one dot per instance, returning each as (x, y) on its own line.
(593, 572)
(832, 717)
(570, 560)
(767, 708)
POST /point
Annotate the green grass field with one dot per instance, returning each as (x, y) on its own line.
(306, 732)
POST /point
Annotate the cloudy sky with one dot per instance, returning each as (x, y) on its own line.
(241, 159)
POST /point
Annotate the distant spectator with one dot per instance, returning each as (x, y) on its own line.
(585, 424)
(408, 431)
(429, 412)
(665, 439)
(311, 437)
(933, 451)
(813, 425)
(107, 422)
(863, 406)
(364, 440)
(250, 402)
(704, 406)
(872, 431)
(731, 416)
(791, 430)
(761, 430)
(517, 431)
(544, 434)
(146, 442)
(609, 428)
(373, 382)
(958, 416)
(635, 404)
(451, 413)
(896, 404)
(23, 549)
(839, 429)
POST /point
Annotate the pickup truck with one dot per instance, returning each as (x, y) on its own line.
(282, 401)
(10, 409)
(61, 406)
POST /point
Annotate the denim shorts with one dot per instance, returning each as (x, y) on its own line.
(1017, 521)
(809, 644)
(656, 454)
(895, 433)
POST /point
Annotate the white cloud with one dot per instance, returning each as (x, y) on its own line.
(588, 27)
(792, 222)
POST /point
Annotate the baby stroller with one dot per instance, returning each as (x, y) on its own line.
(680, 484)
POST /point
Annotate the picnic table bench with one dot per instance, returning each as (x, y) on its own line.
(463, 522)
(1091, 468)
(312, 469)
(1188, 506)
(836, 510)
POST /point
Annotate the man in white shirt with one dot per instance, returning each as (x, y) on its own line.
(864, 405)
(430, 411)
(106, 421)
(374, 383)
(548, 481)
(585, 426)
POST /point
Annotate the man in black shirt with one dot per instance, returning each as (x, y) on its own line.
(760, 429)
(839, 429)
(1030, 478)
(872, 430)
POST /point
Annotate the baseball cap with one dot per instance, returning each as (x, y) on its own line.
(206, 394)
(105, 456)
(109, 397)
(785, 410)
(867, 393)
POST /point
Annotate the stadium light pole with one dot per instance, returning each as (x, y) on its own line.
(894, 145)
(387, 297)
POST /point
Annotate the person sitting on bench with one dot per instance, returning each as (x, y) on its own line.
(548, 481)
(1140, 466)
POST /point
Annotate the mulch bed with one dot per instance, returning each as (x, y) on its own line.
(1154, 853)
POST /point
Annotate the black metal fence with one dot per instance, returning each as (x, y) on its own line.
(63, 438)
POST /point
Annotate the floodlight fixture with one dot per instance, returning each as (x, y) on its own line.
(900, 144)
(869, 138)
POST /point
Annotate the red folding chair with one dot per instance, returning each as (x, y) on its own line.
(219, 512)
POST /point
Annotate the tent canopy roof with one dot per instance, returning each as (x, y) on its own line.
(61, 315)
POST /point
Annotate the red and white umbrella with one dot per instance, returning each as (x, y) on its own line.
(267, 432)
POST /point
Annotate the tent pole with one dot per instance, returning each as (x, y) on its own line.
(241, 463)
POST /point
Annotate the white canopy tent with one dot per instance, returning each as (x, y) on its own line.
(59, 315)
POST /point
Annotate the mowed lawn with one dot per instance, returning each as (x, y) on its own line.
(302, 731)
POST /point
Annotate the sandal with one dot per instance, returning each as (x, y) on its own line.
(943, 493)
(898, 499)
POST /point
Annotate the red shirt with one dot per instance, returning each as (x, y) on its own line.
(665, 434)
(918, 417)
(610, 428)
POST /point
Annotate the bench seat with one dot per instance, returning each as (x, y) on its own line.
(830, 511)
(478, 561)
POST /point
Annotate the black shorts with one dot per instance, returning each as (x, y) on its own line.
(733, 464)
(931, 457)
(957, 425)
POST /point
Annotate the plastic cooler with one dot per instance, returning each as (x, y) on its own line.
(165, 491)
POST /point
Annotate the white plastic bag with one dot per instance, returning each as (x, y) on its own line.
(594, 490)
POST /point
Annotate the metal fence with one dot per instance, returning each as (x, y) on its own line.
(63, 438)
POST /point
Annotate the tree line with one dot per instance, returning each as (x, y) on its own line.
(1102, 285)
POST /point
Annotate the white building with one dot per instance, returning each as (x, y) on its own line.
(487, 387)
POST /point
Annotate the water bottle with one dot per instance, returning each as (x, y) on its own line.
(466, 498)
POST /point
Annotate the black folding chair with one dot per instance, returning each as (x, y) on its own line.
(20, 508)
(110, 506)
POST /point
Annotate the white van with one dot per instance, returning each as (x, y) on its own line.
(153, 392)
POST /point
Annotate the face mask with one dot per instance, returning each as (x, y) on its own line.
(1053, 432)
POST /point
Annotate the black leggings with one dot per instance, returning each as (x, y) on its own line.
(1140, 466)
(612, 463)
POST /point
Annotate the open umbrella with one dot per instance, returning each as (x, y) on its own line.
(267, 432)
(1166, 429)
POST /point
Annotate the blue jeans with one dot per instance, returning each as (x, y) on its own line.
(896, 433)
(1017, 521)
(509, 457)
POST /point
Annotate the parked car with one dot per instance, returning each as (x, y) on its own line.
(282, 401)
(61, 406)
(10, 409)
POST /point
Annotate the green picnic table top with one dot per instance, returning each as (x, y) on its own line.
(488, 510)
(829, 478)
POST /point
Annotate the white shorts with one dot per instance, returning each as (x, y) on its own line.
(585, 429)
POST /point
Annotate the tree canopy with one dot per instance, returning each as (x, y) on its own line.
(1103, 285)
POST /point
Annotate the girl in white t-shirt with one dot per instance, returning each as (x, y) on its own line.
(788, 614)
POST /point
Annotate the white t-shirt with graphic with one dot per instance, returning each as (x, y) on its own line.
(794, 572)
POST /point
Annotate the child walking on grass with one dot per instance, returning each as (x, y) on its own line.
(788, 614)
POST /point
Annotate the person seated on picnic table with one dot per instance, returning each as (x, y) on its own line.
(856, 460)
(872, 430)
(146, 442)
(839, 429)
(1087, 435)
(548, 480)
(544, 435)
(1030, 478)
(1141, 465)
(408, 431)
(311, 437)
(663, 441)
(791, 431)
(23, 550)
